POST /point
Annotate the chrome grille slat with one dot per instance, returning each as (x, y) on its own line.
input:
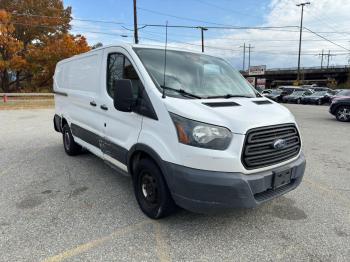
(258, 148)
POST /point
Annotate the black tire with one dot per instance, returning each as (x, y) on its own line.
(151, 190)
(298, 101)
(343, 113)
(69, 144)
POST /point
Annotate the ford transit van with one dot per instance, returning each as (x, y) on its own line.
(187, 128)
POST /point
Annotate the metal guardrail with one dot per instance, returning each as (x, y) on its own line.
(26, 94)
(306, 68)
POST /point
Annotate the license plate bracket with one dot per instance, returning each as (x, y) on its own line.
(281, 178)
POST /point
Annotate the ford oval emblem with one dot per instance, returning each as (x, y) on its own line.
(279, 144)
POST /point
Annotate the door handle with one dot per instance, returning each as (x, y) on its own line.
(92, 103)
(104, 107)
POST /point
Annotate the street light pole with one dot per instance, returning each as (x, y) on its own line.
(243, 56)
(136, 36)
(301, 32)
(202, 35)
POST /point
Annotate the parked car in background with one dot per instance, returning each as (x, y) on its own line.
(287, 90)
(319, 88)
(318, 98)
(341, 94)
(336, 91)
(310, 86)
(275, 95)
(340, 108)
(296, 96)
(266, 91)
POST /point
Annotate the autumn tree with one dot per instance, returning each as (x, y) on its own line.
(33, 22)
(10, 48)
(44, 56)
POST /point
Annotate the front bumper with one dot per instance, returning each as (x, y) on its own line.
(206, 191)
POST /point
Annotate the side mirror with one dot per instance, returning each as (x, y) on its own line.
(123, 97)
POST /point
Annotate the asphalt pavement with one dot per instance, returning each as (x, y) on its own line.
(59, 208)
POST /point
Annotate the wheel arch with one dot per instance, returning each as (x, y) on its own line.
(141, 150)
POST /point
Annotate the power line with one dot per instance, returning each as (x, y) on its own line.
(261, 51)
(228, 27)
(195, 27)
(70, 18)
(177, 17)
(222, 26)
(326, 39)
(247, 39)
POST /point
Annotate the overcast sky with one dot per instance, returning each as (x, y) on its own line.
(274, 48)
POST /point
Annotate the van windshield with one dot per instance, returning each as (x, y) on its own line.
(199, 75)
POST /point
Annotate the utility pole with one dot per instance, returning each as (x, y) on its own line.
(249, 51)
(301, 32)
(322, 55)
(328, 56)
(243, 55)
(202, 35)
(136, 36)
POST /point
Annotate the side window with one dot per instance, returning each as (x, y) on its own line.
(120, 67)
(115, 66)
(130, 73)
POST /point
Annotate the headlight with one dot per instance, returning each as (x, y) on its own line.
(199, 134)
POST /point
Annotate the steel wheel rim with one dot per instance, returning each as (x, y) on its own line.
(149, 189)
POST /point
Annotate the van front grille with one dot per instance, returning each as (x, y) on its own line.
(260, 150)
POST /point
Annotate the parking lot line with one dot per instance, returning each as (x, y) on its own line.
(95, 243)
(162, 247)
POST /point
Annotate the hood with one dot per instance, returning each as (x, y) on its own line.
(238, 118)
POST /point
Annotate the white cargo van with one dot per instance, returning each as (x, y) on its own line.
(187, 127)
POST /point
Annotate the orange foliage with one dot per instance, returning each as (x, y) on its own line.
(9, 46)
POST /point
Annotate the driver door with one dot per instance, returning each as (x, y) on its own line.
(121, 129)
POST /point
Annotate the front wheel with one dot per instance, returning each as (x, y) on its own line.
(343, 113)
(69, 144)
(151, 190)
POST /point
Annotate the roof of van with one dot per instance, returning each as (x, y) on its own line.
(160, 46)
(129, 46)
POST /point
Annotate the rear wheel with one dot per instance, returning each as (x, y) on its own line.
(69, 144)
(151, 190)
(343, 113)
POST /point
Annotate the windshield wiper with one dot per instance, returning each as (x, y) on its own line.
(181, 91)
(229, 96)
